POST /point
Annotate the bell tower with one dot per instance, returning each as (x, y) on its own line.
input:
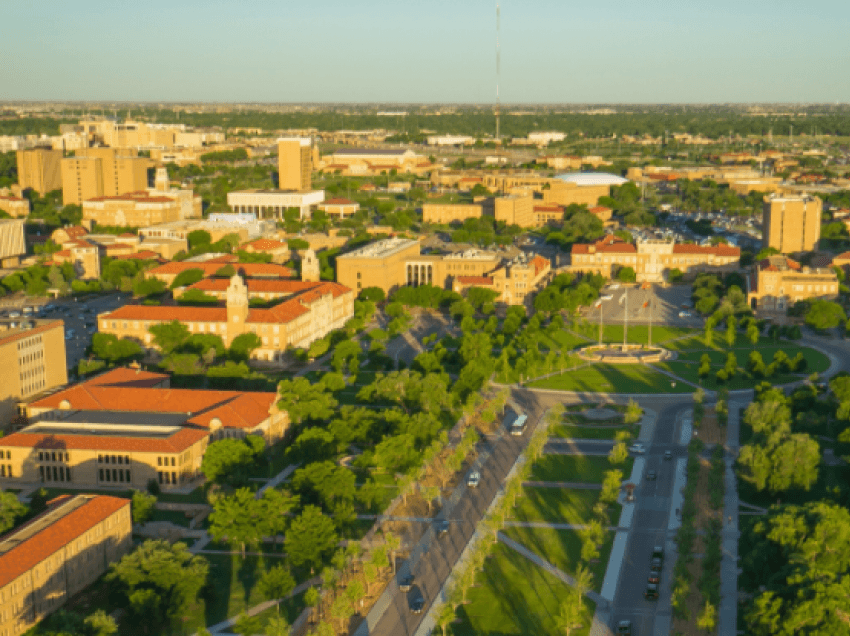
(237, 307)
(310, 267)
(161, 183)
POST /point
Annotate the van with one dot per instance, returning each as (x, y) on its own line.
(518, 427)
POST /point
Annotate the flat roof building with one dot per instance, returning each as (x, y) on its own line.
(272, 204)
(102, 172)
(295, 163)
(58, 554)
(12, 241)
(40, 169)
(792, 223)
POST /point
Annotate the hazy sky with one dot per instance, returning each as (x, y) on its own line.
(428, 51)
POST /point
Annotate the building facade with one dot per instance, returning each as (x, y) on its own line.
(445, 213)
(12, 241)
(58, 554)
(792, 223)
(777, 282)
(14, 206)
(308, 315)
(515, 280)
(33, 362)
(40, 169)
(295, 164)
(515, 210)
(339, 207)
(272, 204)
(102, 172)
(652, 261)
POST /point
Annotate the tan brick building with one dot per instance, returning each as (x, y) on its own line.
(295, 164)
(138, 209)
(40, 169)
(777, 282)
(33, 362)
(445, 213)
(12, 241)
(167, 272)
(339, 207)
(14, 206)
(278, 250)
(652, 260)
(515, 280)
(100, 172)
(515, 210)
(792, 223)
(58, 554)
(381, 264)
(296, 322)
(84, 256)
(547, 212)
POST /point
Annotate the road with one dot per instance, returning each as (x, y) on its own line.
(437, 562)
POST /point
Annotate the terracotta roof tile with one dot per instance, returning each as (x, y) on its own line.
(181, 440)
(55, 324)
(265, 244)
(210, 268)
(720, 249)
(339, 201)
(475, 280)
(32, 551)
(167, 314)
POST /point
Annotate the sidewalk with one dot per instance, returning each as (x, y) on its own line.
(728, 610)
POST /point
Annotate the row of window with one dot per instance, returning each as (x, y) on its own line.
(113, 459)
(31, 357)
(54, 473)
(53, 456)
(167, 478)
(6, 470)
(29, 342)
(114, 475)
(163, 461)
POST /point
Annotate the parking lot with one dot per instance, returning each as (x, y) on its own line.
(670, 306)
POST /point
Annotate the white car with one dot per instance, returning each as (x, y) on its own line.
(637, 449)
(684, 314)
(614, 286)
(474, 479)
(607, 297)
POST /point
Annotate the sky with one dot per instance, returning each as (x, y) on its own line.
(552, 51)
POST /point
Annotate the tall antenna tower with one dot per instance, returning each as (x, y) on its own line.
(498, 72)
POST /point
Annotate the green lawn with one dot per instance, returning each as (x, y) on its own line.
(559, 505)
(573, 431)
(562, 548)
(582, 468)
(561, 339)
(514, 597)
(174, 516)
(610, 378)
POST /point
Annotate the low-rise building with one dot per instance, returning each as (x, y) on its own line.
(14, 206)
(58, 554)
(374, 161)
(339, 207)
(278, 250)
(515, 280)
(295, 322)
(272, 204)
(134, 209)
(33, 355)
(84, 256)
(12, 242)
(167, 272)
(515, 210)
(652, 261)
(547, 212)
(246, 226)
(445, 213)
(777, 282)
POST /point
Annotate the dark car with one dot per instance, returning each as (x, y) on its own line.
(651, 592)
(658, 552)
(405, 583)
(624, 628)
(442, 527)
(415, 600)
(654, 577)
(651, 475)
(668, 454)
(655, 565)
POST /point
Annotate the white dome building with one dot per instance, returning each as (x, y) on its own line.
(592, 178)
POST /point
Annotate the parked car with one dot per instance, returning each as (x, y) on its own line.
(655, 565)
(651, 475)
(668, 454)
(442, 527)
(474, 479)
(624, 628)
(607, 297)
(518, 427)
(416, 601)
(651, 592)
(637, 448)
(405, 583)
(684, 314)
(654, 577)
(658, 553)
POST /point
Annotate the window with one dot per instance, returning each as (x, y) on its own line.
(172, 461)
(159, 461)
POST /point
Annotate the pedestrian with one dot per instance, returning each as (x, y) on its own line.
(730, 520)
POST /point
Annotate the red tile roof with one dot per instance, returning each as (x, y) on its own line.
(128, 377)
(264, 244)
(167, 314)
(9, 197)
(142, 196)
(609, 245)
(339, 201)
(475, 280)
(210, 268)
(143, 255)
(54, 324)
(599, 209)
(272, 285)
(75, 230)
(844, 256)
(539, 263)
(548, 208)
(178, 442)
(32, 551)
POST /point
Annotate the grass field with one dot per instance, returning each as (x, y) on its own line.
(514, 597)
(559, 505)
(609, 378)
(562, 548)
(581, 468)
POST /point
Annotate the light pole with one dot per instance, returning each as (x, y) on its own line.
(625, 301)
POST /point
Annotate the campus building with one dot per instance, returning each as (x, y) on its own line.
(302, 318)
(339, 207)
(40, 169)
(102, 172)
(652, 261)
(58, 554)
(777, 282)
(445, 213)
(14, 206)
(33, 355)
(295, 164)
(515, 280)
(515, 210)
(792, 223)
(272, 204)
(167, 272)
(246, 226)
(83, 255)
(12, 241)
(375, 161)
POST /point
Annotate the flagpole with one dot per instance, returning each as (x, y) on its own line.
(626, 324)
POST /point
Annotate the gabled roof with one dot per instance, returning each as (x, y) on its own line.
(265, 244)
(181, 440)
(39, 545)
(339, 201)
(721, 249)
(475, 280)
(210, 268)
(167, 314)
(608, 245)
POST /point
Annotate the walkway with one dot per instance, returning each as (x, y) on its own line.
(277, 479)
(218, 628)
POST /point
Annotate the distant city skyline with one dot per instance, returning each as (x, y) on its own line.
(609, 51)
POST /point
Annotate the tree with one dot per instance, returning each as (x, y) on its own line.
(243, 346)
(227, 460)
(10, 510)
(445, 615)
(276, 583)
(238, 519)
(633, 412)
(101, 624)
(277, 625)
(611, 486)
(311, 538)
(325, 484)
(187, 277)
(198, 238)
(824, 314)
(168, 336)
(753, 333)
(731, 325)
(158, 580)
(303, 400)
(572, 612)
(626, 274)
(708, 618)
(142, 506)
(145, 287)
(248, 625)
(618, 454)
(112, 349)
(373, 294)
